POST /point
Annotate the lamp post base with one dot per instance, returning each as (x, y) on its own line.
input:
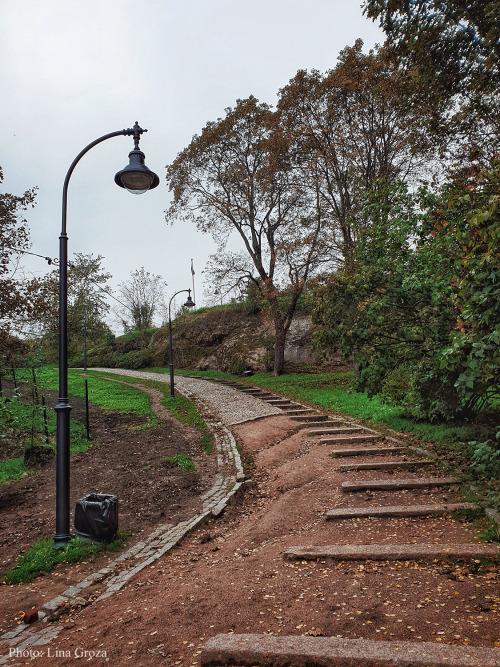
(61, 541)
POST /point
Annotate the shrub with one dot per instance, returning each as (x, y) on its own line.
(485, 458)
(135, 359)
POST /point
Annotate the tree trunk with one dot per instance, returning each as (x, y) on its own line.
(279, 349)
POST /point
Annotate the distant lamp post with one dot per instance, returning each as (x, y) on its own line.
(95, 314)
(189, 304)
(136, 178)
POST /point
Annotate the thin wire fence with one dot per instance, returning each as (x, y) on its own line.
(23, 385)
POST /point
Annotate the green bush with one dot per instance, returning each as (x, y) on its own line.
(485, 459)
(102, 356)
(397, 385)
(268, 341)
(135, 359)
(236, 364)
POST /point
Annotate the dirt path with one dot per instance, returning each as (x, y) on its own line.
(233, 576)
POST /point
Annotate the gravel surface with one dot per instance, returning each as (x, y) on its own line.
(230, 405)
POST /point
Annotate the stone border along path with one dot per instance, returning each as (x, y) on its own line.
(284, 651)
(230, 407)
(258, 650)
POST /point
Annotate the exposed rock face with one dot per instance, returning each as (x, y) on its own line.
(233, 340)
(228, 339)
(299, 349)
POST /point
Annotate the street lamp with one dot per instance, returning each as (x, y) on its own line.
(189, 304)
(136, 178)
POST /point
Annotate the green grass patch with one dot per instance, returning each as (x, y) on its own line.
(180, 408)
(42, 557)
(333, 392)
(109, 396)
(185, 411)
(206, 309)
(182, 461)
(133, 336)
(11, 470)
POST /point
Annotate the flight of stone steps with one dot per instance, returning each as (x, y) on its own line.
(348, 440)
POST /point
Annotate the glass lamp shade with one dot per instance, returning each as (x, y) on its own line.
(189, 302)
(136, 177)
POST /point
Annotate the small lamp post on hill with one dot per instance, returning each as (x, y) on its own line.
(137, 179)
(189, 304)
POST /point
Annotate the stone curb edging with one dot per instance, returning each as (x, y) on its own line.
(297, 651)
(440, 509)
(225, 491)
(393, 551)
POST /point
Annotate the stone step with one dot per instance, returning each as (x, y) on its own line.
(261, 650)
(308, 418)
(398, 511)
(397, 484)
(394, 552)
(301, 413)
(351, 439)
(366, 451)
(317, 423)
(336, 430)
(278, 402)
(385, 465)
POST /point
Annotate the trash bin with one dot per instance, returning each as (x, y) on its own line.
(96, 517)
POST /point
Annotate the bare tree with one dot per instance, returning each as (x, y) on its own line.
(140, 297)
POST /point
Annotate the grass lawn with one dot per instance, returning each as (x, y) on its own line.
(22, 422)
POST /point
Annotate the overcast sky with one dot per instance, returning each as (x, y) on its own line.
(74, 70)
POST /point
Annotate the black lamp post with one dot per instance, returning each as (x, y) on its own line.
(136, 178)
(189, 304)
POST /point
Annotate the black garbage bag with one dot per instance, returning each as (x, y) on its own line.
(96, 517)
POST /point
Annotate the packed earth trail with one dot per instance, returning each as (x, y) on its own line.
(336, 546)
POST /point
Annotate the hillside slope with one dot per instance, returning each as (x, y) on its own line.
(227, 338)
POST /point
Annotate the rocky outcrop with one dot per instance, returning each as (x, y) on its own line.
(228, 339)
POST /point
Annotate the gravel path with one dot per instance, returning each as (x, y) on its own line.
(231, 586)
(231, 406)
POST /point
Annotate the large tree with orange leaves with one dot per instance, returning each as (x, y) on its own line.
(451, 52)
(346, 130)
(234, 178)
